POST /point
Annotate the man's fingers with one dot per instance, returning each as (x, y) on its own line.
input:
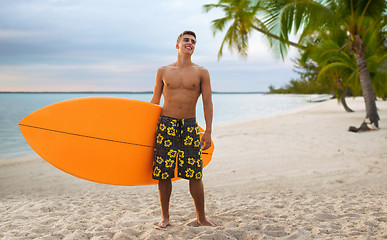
(206, 145)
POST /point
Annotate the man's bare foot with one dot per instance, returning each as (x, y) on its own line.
(164, 223)
(206, 223)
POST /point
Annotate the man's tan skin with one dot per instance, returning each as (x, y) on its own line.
(181, 83)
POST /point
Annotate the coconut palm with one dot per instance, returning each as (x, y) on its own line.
(340, 67)
(280, 18)
(339, 64)
(241, 18)
(356, 17)
(334, 63)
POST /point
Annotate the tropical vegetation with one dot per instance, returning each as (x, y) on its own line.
(306, 82)
(344, 39)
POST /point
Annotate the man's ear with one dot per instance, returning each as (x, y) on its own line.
(177, 46)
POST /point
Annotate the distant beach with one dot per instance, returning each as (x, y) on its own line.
(293, 175)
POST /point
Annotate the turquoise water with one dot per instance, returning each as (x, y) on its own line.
(227, 108)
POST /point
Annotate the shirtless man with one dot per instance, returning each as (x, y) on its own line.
(177, 133)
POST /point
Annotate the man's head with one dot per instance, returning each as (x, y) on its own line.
(186, 42)
(185, 33)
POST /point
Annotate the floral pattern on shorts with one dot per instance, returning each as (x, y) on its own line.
(177, 140)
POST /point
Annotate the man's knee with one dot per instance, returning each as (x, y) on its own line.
(165, 183)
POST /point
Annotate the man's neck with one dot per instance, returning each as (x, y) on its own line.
(183, 60)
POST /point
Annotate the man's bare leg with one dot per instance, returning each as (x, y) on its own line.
(197, 192)
(165, 190)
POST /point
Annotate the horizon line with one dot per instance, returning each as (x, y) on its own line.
(130, 92)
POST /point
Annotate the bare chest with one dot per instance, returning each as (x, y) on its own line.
(186, 79)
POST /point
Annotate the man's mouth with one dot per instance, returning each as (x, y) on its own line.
(188, 48)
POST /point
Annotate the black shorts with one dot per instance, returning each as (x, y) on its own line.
(177, 140)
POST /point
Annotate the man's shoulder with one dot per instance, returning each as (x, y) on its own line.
(200, 68)
(173, 66)
(167, 67)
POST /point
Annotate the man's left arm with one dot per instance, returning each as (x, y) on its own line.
(207, 107)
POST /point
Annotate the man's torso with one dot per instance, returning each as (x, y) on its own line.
(181, 90)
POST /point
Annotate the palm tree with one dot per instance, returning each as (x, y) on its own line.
(337, 62)
(356, 17)
(242, 15)
(334, 63)
(306, 17)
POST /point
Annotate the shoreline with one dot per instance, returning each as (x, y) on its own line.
(15, 156)
(294, 175)
(220, 129)
(357, 105)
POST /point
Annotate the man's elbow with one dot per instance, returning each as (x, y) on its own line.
(155, 101)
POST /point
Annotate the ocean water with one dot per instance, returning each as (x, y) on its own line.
(227, 108)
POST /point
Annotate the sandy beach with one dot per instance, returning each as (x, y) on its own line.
(296, 175)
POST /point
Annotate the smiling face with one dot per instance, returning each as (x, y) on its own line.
(186, 44)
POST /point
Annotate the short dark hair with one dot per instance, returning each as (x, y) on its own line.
(184, 33)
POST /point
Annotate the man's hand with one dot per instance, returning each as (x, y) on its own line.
(206, 141)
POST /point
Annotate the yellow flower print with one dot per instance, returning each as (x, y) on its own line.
(189, 173)
(172, 153)
(167, 143)
(199, 163)
(164, 176)
(197, 143)
(188, 140)
(181, 162)
(181, 154)
(191, 161)
(198, 175)
(169, 163)
(197, 130)
(190, 129)
(173, 123)
(156, 172)
(182, 122)
(171, 131)
(160, 139)
(159, 160)
(162, 127)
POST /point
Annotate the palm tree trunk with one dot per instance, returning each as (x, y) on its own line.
(342, 93)
(368, 92)
(344, 102)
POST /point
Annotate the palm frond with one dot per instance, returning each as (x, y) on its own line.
(209, 7)
(219, 24)
(335, 66)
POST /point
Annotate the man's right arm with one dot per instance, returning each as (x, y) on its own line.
(158, 89)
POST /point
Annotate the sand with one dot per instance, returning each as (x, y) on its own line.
(296, 175)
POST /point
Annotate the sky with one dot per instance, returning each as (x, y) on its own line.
(118, 45)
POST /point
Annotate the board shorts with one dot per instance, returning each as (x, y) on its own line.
(177, 140)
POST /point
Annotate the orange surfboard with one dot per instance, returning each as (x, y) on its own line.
(102, 139)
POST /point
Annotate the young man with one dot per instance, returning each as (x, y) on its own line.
(177, 134)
